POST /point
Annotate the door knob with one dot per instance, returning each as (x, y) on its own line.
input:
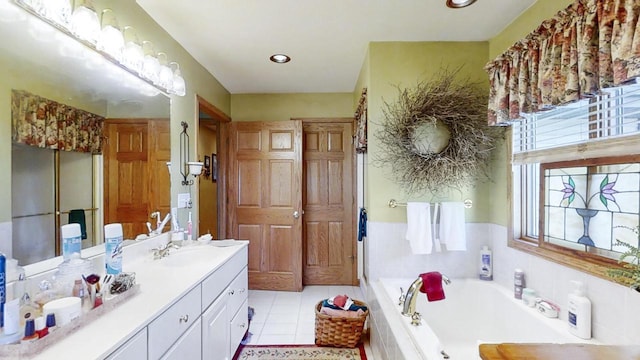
(296, 214)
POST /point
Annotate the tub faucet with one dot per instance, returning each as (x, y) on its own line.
(409, 307)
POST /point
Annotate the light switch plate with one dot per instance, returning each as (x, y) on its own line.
(183, 200)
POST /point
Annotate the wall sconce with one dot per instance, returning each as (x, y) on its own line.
(103, 35)
(187, 167)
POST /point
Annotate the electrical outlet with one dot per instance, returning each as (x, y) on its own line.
(184, 200)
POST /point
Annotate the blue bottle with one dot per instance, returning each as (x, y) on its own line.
(3, 287)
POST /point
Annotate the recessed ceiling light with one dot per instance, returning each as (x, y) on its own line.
(457, 4)
(280, 58)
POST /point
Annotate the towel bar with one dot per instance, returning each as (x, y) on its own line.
(393, 203)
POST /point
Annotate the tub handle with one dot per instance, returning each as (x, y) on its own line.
(444, 354)
(402, 297)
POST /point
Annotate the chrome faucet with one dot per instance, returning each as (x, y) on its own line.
(409, 307)
(160, 224)
(163, 251)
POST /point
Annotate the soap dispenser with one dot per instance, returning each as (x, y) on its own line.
(579, 312)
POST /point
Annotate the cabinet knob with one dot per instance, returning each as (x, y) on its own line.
(242, 325)
(242, 290)
(184, 318)
(231, 292)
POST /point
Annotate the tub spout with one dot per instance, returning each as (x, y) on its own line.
(409, 307)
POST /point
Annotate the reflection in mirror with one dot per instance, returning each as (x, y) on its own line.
(47, 184)
(590, 204)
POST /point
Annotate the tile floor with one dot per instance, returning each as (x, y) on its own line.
(283, 317)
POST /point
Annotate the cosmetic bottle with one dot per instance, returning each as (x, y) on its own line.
(30, 334)
(28, 309)
(189, 228)
(3, 287)
(518, 283)
(51, 322)
(486, 264)
(71, 240)
(41, 327)
(579, 312)
(113, 248)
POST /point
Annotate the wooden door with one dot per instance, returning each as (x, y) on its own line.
(328, 203)
(265, 200)
(159, 179)
(136, 179)
(127, 177)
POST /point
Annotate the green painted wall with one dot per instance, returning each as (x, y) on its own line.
(404, 64)
(279, 107)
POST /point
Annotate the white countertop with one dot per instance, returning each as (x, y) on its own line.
(162, 282)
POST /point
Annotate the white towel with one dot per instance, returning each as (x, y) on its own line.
(452, 226)
(419, 227)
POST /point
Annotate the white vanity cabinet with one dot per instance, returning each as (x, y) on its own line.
(134, 349)
(188, 346)
(168, 327)
(207, 322)
(215, 331)
(219, 340)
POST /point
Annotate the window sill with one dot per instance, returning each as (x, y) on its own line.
(578, 260)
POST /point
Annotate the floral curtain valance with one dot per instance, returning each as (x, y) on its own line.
(44, 123)
(589, 46)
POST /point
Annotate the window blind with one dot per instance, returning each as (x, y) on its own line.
(603, 125)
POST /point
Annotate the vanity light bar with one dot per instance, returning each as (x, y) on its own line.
(60, 17)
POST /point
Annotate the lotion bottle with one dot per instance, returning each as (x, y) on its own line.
(486, 264)
(579, 312)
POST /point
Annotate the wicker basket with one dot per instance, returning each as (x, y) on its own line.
(339, 331)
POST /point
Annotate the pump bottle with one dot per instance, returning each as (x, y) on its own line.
(579, 312)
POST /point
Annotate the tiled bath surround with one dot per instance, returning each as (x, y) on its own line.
(615, 308)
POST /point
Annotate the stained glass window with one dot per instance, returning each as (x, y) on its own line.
(591, 203)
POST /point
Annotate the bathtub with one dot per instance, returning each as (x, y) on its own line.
(473, 312)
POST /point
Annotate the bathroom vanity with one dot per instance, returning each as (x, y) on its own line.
(191, 304)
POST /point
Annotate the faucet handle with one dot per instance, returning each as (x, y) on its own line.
(402, 297)
(416, 319)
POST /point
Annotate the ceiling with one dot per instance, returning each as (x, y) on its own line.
(326, 39)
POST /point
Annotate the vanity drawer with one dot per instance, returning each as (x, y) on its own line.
(239, 326)
(238, 291)
(170, 325)
(215, 283)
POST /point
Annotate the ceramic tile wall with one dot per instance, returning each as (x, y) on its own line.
(5, 238)
(389, 254)
(615, 308)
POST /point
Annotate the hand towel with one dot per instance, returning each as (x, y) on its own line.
(77, 216)
(362, 224)
(432, 285)
(452, 226)
(419, 227)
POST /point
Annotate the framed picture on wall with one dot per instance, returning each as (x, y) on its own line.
(207, 166)
(214, 168)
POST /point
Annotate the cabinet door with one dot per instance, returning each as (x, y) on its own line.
(239, 326)
(215, 331)
(168, 327)
(188, 345)
(134, 349)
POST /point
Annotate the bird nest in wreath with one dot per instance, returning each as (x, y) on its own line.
(436, 134)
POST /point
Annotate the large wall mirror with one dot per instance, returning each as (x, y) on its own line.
(125, 183)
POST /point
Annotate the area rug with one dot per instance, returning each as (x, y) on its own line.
(299, 352)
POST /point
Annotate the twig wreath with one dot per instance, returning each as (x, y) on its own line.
(436, 134)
